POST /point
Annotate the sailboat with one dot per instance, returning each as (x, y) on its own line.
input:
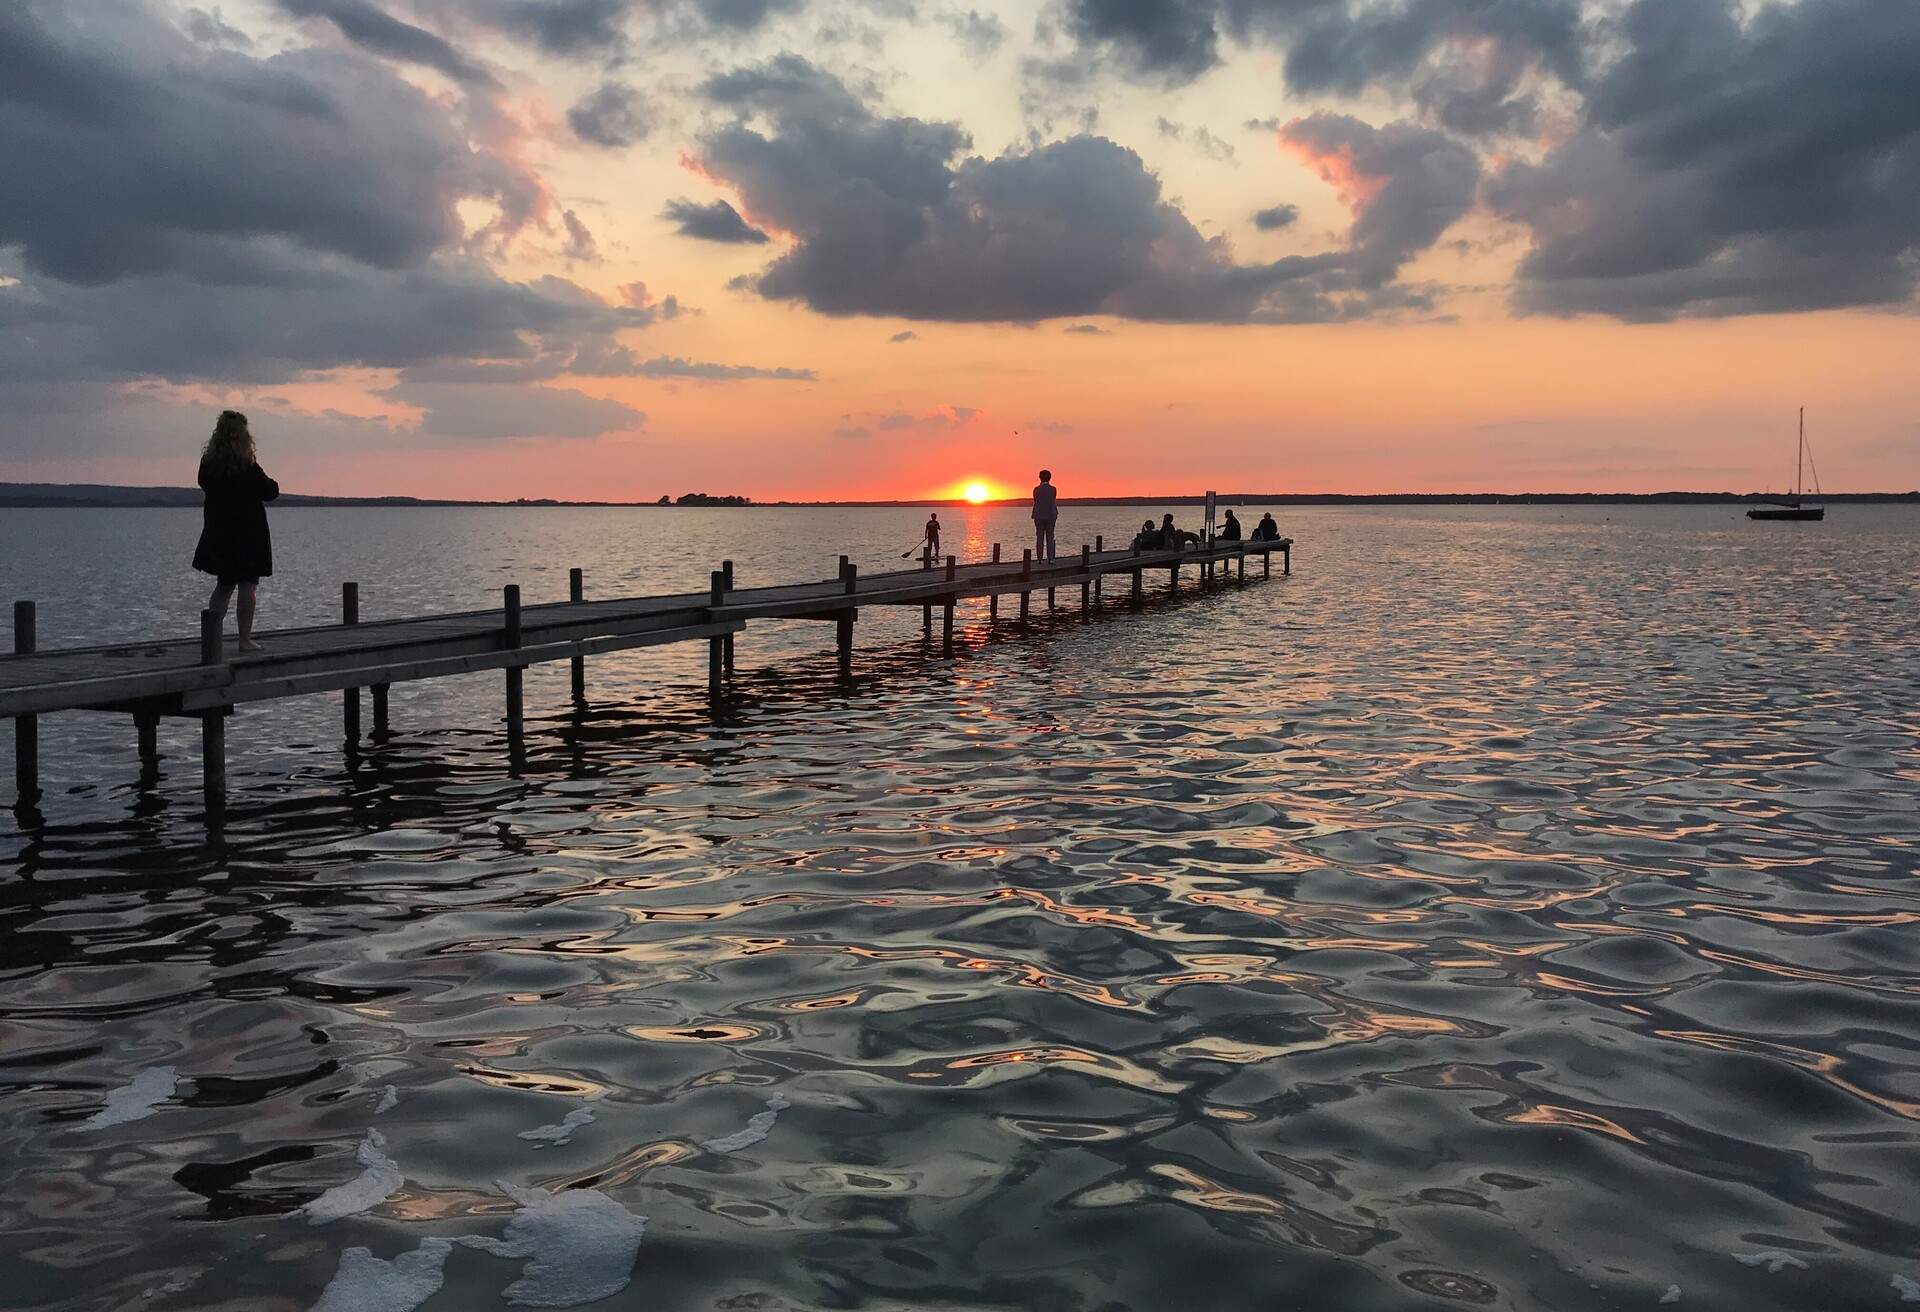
(1795, 507)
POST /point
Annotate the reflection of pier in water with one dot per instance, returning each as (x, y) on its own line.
(185, 678)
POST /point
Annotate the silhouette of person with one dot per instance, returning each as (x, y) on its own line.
(1230, 531)
(235, 546)
(1169, 535)
(1046, 512)
(1148, 538)
(933, 536)
(1266, 530)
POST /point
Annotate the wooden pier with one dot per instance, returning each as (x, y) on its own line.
(202, 679)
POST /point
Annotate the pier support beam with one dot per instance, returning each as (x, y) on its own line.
(1086, 584)
(146, 728)
(843, 626)
(26, 728)
(946, 611)
(1099, 546)
(993, 601)
(213, 731)
(1243, 564)
(1266, 564)
(516, 708)
(350, 697)
(576, 592)
(1026, 572)
(1286, 559)
(726, 643)
(381, 731)
(716, 649)
(1138, 591)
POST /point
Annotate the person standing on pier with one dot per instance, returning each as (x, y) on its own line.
(235, 546)
(1046, 512)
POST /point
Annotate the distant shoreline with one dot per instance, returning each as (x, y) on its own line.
(100, 496)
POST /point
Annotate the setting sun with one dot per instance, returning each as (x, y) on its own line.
(976, 493)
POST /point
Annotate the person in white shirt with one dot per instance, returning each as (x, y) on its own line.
(1046, 511)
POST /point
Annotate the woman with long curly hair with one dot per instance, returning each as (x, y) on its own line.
(235, 546)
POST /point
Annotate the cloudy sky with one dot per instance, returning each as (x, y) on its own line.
(820, 248)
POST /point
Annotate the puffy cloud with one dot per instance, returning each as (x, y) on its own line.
(1276, 217)
(1730, 165)
(718, 221)
(1405, 184)
(1174, 40)
(978, 34)
(171, 157)
(372, 28)
(580, 243)
(889, 221)
(611, 115)
(578, 29)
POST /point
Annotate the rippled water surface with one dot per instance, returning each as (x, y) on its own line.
(1513, 908)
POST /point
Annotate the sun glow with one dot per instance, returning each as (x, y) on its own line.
(976, 493)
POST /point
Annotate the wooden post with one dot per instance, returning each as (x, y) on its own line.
(510, 639)
(1173, 577)
(1286, 559)
(993, 599)
(716, 657)
(350, 698)
(1086, 584)
(1138, 591)
(380, 730)
(726, 640)
(1243, 564)
(926, 620)
(1099, 547)
(1266, 563)
(946, 612)
(1026, 573)
(843, 628)
(146, 726)
(576, 591)
(26, 728)
(213, 729)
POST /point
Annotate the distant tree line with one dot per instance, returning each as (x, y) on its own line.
(703, 499)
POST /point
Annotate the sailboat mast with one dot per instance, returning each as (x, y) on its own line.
(1800, 454)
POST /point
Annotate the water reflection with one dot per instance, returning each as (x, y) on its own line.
(1489, 914)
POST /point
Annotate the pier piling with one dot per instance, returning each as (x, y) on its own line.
(213, 730)
(726, 642)
(576, 592)
(1086, 583)
(26, 728)
(716, 653)
(946, 611)
(993, 602)
(350, 697)
(1026, 572)
(516, 709)
(843, 624)
(146, 728)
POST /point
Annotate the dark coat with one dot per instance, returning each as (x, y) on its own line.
(234, 542)
(1230, 531)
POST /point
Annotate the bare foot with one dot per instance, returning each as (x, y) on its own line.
(248, 644)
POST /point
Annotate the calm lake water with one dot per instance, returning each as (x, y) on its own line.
(1514, 908)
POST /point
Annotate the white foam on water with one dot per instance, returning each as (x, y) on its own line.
(1672, 1295)
(579, 1246)
(1773, 1259)
(1908, 1289)
(373, 1186)
(759, 1126)
(562, 1132)
(135, 1100)
(387, 1100)
(365, 1283)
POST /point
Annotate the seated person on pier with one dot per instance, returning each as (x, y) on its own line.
(1172, 539)
(1148, 538)
(1230, 531)
(1266, 530)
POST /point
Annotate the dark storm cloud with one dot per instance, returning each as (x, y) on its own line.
(1276, 217)
(716, 222)
(1732, 166)
(170, 158)
(576, 29)
(372, 28)
(212, 29)
(890, 220)
(611, 115)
